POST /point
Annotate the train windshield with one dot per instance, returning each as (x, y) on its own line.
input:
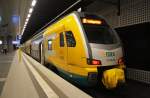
(99, 32)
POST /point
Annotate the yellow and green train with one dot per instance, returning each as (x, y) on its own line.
(82, 47)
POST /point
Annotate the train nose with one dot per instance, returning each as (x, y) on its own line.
(112, 77)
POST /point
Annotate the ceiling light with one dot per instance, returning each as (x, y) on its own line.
(29, 15)
(24, 27)
(33, 3)
(27, 19)
(1, 42)
(26, 23)
(30, 10)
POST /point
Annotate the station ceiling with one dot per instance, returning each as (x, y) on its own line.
(8, 10)
(44, 12)
(12, 14)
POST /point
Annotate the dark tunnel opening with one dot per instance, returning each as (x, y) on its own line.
(136, 42)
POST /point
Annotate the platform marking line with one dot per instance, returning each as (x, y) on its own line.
(2, 79)
(48, 91)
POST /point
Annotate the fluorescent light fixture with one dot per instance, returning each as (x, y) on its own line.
(33, 3)
(24, 27)
(26, 23)
(29, 15)
(27, 19)
(1, 42)
(30, 10)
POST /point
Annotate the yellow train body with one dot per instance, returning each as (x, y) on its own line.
(72, 59)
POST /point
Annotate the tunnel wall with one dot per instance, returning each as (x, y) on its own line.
(132, 25)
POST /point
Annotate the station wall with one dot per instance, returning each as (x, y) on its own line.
(131, 11)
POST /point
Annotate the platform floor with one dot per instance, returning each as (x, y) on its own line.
(5, 63)
(21, 84)
(16, 80)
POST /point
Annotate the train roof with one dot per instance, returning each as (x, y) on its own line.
(79, 14)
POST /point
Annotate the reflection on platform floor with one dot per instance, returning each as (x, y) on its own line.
(5, 63)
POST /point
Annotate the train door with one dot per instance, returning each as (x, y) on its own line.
(41, 53)
(72, 54)
(62, 50)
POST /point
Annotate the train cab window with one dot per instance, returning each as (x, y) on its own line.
(99, 32)
(62, 40)
(50, 44)
(70, 39)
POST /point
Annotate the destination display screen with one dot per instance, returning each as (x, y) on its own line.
(91, 21)
(98, 31)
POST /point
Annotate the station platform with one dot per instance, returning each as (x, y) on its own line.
(5, 63)
(17, 83)
(23, 77)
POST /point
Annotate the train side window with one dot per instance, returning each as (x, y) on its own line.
(49, 44)
(62, 40)
(70, 39)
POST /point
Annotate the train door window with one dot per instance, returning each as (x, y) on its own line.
(49, 44)
(62, 40)
(70, 39)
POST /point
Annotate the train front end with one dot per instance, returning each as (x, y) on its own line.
(105, 50)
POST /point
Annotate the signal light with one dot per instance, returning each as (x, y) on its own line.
(91, 21)
(93, 62)
(121, 61)
(96, 62)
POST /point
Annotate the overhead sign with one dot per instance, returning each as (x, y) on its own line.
(16, 42)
